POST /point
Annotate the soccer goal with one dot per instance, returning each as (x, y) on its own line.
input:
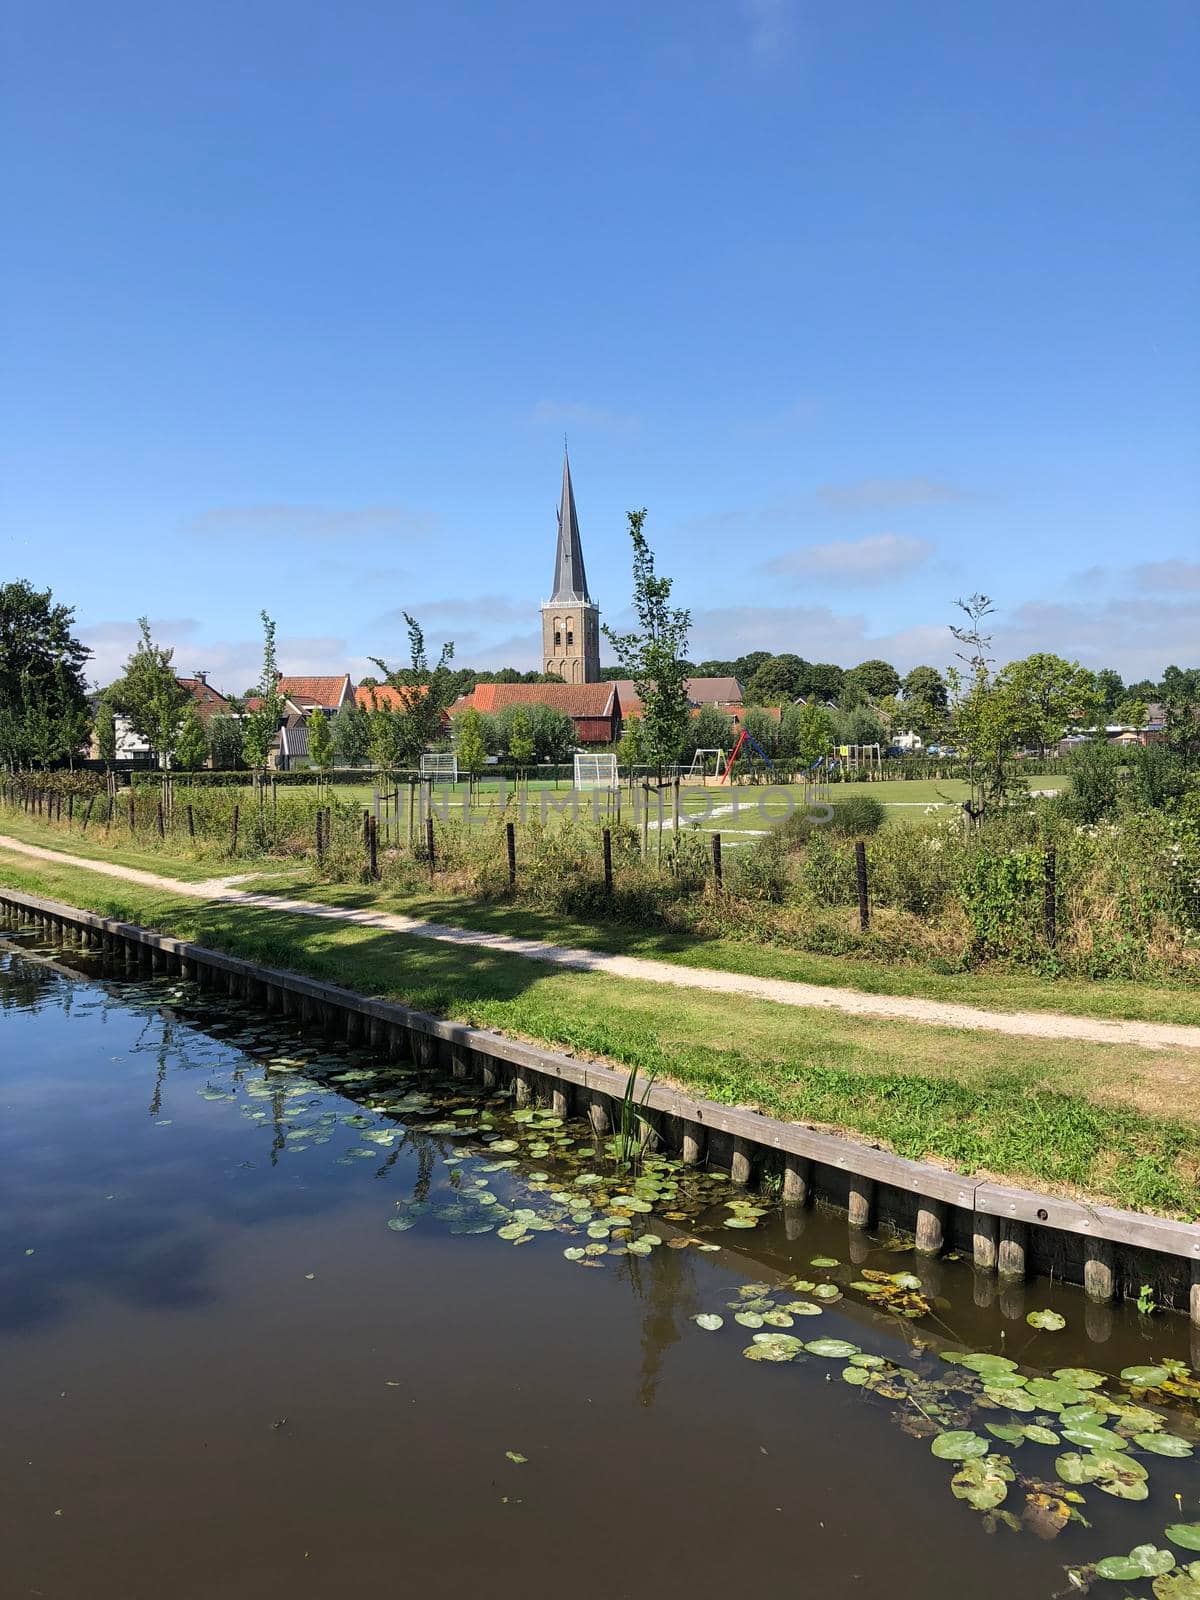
(708, 764)
(440, 767)
(596, 772)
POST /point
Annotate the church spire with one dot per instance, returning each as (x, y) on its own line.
(570, 579)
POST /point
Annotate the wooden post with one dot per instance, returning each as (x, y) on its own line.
(191, 822)
(860, 872)
(692, 1144)
(862, 1198)
(429, 850)
(510, 840)
(741, 1166)
(645, 820)
(718, 871)
(1099, 1264)
(87, 815)
(236, 813)
(1049, 901)
(675, 808)
(161, 829)
(797, 1180)
(70, 810)
(132, 813)
(412, 806)
(1010, 1258)
(373, 847)
(367, 838)
(608, 872)
(931, 1226)
(320, 839)
(986, 1243)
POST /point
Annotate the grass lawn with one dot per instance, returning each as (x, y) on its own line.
(1114, 1124)
(1017, 991)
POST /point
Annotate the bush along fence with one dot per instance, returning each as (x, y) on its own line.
(1008, 1232)
(1030, 888)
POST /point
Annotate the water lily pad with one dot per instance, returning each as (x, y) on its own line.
(982, 1484)
(777, 1319)
(511, 1230)
(827, 1291)
(504, 1146)
(773, 1347)
(401, 1224)
(1047, 1321)
(959, 1444)
(1053, 1394)
(1009, 1432)
(1163, 1444)
(1079, 1377)
(741, 1222)
(988, 1366)
(1095, 1438)
(1186, 1534)
(515, 1455)
(825, 1261)
(749, 1319)
(1014, 1399)
(1145, 1377)
(835, 1349)
(1144, 1561)
(1182, 1584)
(1036, 1434)
(709, 1321)
(1114, 1472)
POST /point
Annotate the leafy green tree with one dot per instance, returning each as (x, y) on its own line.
(225, 735)
(654, 655)
(814, 734)
(821, 680)
(630, 752)
(1181, 701)
(985, 726)
(387, 738)
(709, 729)
(191, 749)
(776, 682)
(870, 680)
(151, 696)
(263, 722)
(352, 734)
(1111, 688)
(106, 730)
(1047, 695)
(43, 702)
(470, 744)
(925, 703)
(520, 741)
(320, 741)
(426, 692)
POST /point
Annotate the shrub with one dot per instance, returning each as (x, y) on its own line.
(861, 814)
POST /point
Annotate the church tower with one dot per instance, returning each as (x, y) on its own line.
(570, 618)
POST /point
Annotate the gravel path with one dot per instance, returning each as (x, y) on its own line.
(940, 1013)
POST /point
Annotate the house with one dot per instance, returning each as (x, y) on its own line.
(132, 749)
(302, 695)
(724, 693)
(594, 708)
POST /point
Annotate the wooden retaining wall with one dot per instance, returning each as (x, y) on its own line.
(1008, 1232)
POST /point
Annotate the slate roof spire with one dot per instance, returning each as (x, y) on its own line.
(570, 579)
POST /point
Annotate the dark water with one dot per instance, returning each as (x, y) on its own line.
(223, 1374)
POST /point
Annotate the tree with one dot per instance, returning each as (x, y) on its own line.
(106, 730)
(870, 680)
(654, 655)
(151, 696)
(984, 724)
(263, 721)
(520, 740)
(320, 741)
(709, 729)
(776, 681)
(191, 748)
(821, 680)
(43, 703)
(352, 734)
(225, 741)
(1181, 701)
(630, 753)
(925, 702)
(425, 692)
(470, 744)
(1048, 694)
(814, 734)
(1111, 689)
(387, 744)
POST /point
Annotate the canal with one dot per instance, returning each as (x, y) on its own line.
(282, 1318)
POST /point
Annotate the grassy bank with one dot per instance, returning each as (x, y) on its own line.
(1112, 1124)
(451, 898)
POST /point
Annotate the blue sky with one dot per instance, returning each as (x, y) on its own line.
(870, 304)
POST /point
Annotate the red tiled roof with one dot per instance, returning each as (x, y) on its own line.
(384, 697)
(211, 702)
(575, 699)
(327, 692)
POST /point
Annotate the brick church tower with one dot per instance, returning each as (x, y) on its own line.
(570, 618)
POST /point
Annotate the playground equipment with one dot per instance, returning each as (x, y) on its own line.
(743, 739)
(440, 767)
(699, 768)
(596, 772)
(858, 756)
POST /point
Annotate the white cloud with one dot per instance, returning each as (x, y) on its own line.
(1167, 577)
(870, 561)
(887, 494)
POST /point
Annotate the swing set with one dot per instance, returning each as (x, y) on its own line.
(743, 739)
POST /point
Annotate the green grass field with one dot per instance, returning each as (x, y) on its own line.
(1113, 1124)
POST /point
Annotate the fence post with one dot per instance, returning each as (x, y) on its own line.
(675, 809)
(70, 810)
(233, 846)
(718, 872)
(320, 841)
(87, 813)
(132, 813)
(1049, 903)
(191, 822)
(373, 847)
(429, 841)
(645, 820)
(608, 876)
(161, 829)
(860, 870)
(412, 807)
(510, 839)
